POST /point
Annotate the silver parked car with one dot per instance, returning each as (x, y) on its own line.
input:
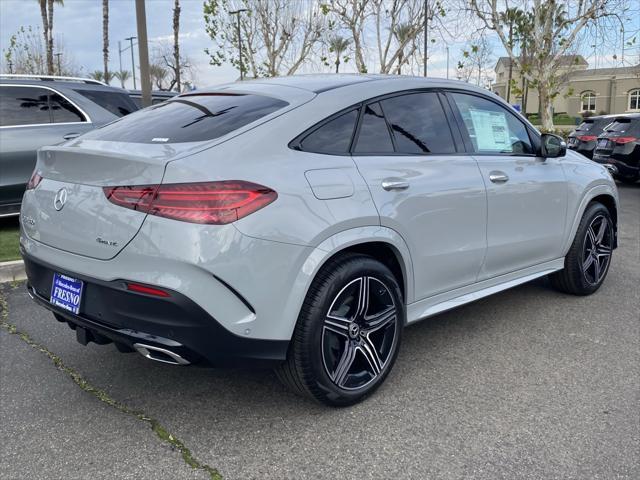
(302, 222)
(45, 110)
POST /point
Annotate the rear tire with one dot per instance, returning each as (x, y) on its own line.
(348, 332)
(587, 262)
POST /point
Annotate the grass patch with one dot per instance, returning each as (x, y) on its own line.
(560, 119)
(9, 239)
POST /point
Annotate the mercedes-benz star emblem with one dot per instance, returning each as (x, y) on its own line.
(60, 199)
(354, 330)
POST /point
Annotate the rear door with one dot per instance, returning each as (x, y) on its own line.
(526, 194)
(31, 117)
(424, 187)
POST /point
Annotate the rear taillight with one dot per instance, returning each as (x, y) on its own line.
(138, 288)
(214, 203)
(623, 140)
(34, 181)
(587, 138)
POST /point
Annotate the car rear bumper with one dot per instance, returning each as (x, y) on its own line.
(583, 149)
(618, 167)
(167, 329)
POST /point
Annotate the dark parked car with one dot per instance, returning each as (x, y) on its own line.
(583, 138)
(618, 148)
(157, 96)
(41, 110)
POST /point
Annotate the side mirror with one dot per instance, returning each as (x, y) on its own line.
(553, 146)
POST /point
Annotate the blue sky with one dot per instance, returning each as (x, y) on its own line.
(79, 24)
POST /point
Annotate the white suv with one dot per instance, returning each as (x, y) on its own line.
(302, 222)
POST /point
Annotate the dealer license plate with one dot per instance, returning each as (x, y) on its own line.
(66, 292)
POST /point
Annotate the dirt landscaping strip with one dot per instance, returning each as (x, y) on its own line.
(161, 432)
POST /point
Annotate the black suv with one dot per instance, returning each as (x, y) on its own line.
(583, 138)
(42, 110)
(618, 148)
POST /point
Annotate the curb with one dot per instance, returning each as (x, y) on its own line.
(12, 271)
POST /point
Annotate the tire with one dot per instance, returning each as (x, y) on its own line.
(585, 267)
(330, 357)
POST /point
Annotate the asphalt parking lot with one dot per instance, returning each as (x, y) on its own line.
(529, 383)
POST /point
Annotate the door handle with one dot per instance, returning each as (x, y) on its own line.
(394, 184)
(69, 136)
(498, 177)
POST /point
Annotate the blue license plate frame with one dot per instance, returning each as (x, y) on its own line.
(66, 292)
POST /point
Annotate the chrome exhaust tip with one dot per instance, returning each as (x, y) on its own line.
(160, 354)
(612, 168)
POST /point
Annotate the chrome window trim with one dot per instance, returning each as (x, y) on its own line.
(84, 114)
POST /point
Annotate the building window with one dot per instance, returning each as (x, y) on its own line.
(634, 99)
(588, 101)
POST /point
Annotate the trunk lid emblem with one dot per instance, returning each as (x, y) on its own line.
(60, 199)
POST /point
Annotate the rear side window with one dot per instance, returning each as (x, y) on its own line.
(137, 101)
(119, 104)
(35, 106)
(189, 118)
(62, 111)
(491, 127)
(418, 124)
(334, 137)
(154, 100)
(374, 136)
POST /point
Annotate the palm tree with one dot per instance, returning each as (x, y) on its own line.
(123, 76)
(338, 45)
(403, 33)
(97, 75)
(46, 12)
(108, 76)
(158, 75)
(176, 45)
(105, 40)
(513, 17)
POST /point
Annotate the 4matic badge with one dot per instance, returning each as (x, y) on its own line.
(108, 243)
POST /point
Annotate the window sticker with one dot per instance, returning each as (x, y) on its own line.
(492, 130)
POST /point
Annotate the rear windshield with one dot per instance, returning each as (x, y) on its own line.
(117, 103)
(594, 125)
(586, 126)
(621, 125)
(189, 118)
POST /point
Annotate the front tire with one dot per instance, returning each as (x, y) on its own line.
(348, 333)
(587, 263)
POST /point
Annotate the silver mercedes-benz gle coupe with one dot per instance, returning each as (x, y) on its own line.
(302, 222)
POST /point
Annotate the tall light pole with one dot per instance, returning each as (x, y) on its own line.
(447, 62)
(143, 51)
(57, 55)
(426, 35)
(120, 59)
(237, 14)
(133, 63)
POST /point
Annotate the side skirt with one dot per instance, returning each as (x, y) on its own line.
(446, 301)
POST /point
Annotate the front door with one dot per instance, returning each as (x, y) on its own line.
(526, 194)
